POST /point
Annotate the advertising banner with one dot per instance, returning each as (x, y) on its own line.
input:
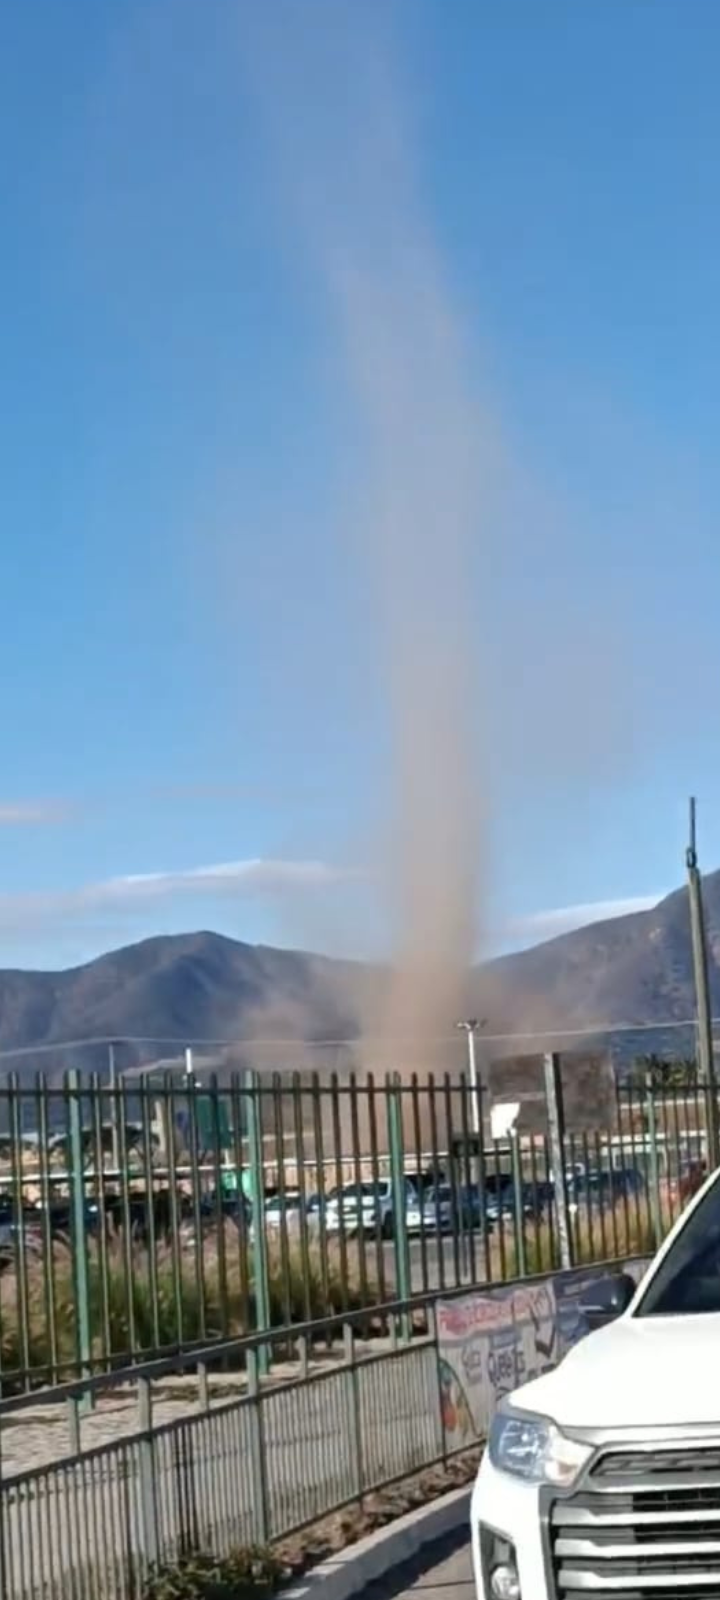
(493, 1340)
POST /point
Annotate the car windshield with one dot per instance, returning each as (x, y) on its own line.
(687, 1281)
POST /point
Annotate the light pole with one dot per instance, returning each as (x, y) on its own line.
(705, 1050)
(470, 1028)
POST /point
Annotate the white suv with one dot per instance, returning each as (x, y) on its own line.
(365, 1207)
(601, 1480)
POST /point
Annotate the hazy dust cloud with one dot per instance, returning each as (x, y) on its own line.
(341, 159)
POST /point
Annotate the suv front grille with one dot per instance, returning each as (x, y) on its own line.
(646, 1526)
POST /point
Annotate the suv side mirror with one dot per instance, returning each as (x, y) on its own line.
(607, 1299)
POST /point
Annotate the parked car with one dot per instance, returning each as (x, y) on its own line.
(14, 1238)
(445, 1208)
(367, 1208)
(27, 1230)
(433, 1212)
(284, 1210)
(607, 1187)
(500, 1197)
(601, 1477)
(538, 1198)
(691, 1179)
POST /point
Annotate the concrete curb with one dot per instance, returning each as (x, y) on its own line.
(347, 1573)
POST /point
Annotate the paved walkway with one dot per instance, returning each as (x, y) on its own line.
(232, 1475)
(444, 1572)
(39, 1433)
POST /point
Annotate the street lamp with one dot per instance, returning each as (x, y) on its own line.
(470, 1028)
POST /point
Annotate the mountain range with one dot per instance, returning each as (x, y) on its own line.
(633, 971)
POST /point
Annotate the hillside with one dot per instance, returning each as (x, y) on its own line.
(168, 990)
(631, 970)
(634, 970)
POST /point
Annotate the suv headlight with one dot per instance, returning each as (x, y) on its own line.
(534, 1449)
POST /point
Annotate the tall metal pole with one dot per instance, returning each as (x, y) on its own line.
(556, 1142)
(470, 1029)
(706, 1054)
(472, 1068)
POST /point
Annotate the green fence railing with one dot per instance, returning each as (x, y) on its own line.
(151, 1214)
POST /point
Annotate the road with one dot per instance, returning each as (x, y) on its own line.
(443, 1572)
(436, 1262)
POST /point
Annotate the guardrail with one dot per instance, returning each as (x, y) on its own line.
(229, 1469)
(245, 1459)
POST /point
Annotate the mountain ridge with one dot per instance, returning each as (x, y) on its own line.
(634, 970)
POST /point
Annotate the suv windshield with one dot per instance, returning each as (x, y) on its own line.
(687, 1282)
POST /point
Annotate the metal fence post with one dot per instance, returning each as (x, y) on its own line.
(397, 1174)
(257, 1201)
(262, 1522)
(147, 1483)
(556, 1140)
(354, 1415)
(651, 1125)
(79, 1228)
(3, 1561)
(18, 1210)
(114, 1111)
(440, 1407)
(518, 1204)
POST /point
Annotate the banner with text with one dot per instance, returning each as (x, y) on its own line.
(492, 1341)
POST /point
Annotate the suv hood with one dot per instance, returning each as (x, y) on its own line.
(637, 1373)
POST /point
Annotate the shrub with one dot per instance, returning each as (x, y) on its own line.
(245, 1574)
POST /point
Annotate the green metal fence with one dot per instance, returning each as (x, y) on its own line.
(146, 1215)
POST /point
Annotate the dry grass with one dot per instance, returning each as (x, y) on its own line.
(143, 1304)
(621, 1232)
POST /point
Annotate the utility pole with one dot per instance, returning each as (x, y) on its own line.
(114, 1109)
(556, 1143)
(706, 1054)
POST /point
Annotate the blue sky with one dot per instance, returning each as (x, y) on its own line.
(232, 253)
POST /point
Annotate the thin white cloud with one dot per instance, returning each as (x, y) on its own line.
(253, 877)
(233, 877)
(540, 925)
(285, 881)
(33, 813)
